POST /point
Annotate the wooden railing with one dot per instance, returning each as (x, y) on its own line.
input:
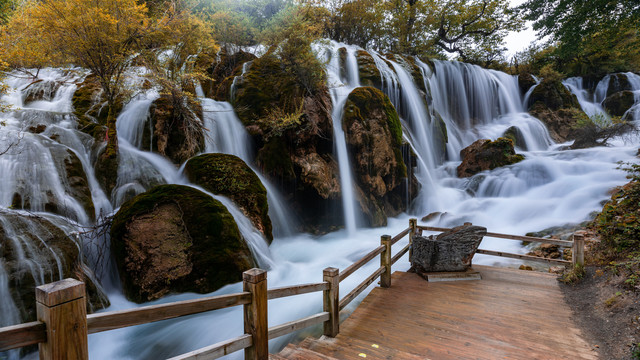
(62, 327)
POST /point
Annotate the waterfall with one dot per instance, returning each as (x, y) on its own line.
(591, 104)
(339, 91)
(551, 187)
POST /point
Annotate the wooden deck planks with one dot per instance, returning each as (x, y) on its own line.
(509, 314)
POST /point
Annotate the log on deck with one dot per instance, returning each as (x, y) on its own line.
(509, 314)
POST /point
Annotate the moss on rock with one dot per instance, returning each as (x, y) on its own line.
(176, 239)
(618, 103)
(78, 183)
(487, 155)
(228, 175)
(91, 109)
(554, 95)
(369, 73)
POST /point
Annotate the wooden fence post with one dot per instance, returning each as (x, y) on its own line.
(62, 307)
(577, 253)
(331, 301)
(255, 314)
(413, 225)
(385, 260)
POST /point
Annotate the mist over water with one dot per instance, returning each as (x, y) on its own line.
(551, 187)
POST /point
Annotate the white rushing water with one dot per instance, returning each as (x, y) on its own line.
(551, 187)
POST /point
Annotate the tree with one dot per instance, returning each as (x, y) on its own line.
(588, 33)
(475, 29)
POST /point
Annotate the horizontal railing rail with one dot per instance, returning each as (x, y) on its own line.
(55, 300)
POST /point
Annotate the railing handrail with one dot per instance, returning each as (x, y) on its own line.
(16, 336)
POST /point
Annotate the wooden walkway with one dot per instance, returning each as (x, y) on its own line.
(509, 314)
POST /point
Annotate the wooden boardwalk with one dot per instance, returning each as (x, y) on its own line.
(509, 314)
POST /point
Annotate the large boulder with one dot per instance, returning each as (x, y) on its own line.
(293, 133)
(618, 103)
(35, 251)
(228, 175)
(176, 239)
(374, 139)
(177, 128)
(222, 72)
(617, 83)
(487, 155)
(558, 109)
(450, 251)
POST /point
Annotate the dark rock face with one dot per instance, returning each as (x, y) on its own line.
(516, 136)
(374, 138)
(617, 83)
(449, 251)
(177, 128)
(40, 90)
(90, 108)
(176, 239)
(369, 73)
(228, 175)
(618, 103)
(525, 82)
(487, 155)
(28, 240)
(296, 154)
(222, 72)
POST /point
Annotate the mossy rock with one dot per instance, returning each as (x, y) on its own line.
(618, 103)
(40, 90)
(106, 169)
(441, 134)
(525, 82)
(374, 138)
(553, 95)
(617, 83)
(47, 245)
(175, 239)
(91, 109)
(487, 155)
(562, 123)
(228, 175)
(342, 55)
(177, 128)
(369, 73)
(222, 72)
(514, 134)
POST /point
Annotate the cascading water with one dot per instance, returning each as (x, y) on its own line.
(340, 87)
(549, 188)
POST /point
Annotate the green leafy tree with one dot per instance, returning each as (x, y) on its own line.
(595, 36)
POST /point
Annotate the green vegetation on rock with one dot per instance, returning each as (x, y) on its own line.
(487, 155)
(228, 175)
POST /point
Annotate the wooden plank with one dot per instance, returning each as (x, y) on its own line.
(286, 291)
(360, 288)
(565, 243)
(217, 350)
(523, 257)
(453, 276)
(400, 253)
(399, 237)
(464, 320)
(289, 327)
(358, 264)
(123, 318)
(17, 336)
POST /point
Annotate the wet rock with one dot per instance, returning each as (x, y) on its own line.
(487, 155)
(177, 128)
(40, 90)
(78, 183)
(450, 251)
(222, 68)
(91, 109)
(617, 83)
(176, 239)
(618, 103)
(38, 129)
(516, 136)
(374, 138)
(26, 240)
(525, 82)
(558, 109)
(369, 73)
(229, 176)
(525, 267)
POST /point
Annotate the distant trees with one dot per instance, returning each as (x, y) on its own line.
(590, 37)
(471, 29)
